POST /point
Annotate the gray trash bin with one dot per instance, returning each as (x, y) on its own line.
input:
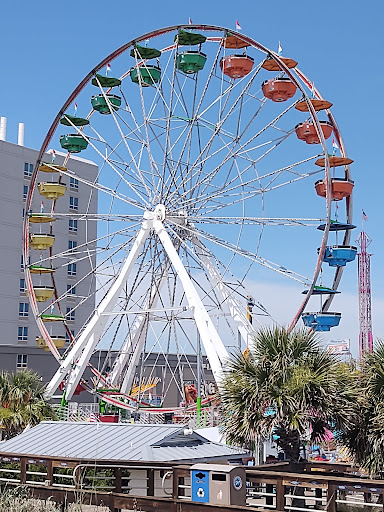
(226, 483)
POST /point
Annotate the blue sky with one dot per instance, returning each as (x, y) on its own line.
(50, 46)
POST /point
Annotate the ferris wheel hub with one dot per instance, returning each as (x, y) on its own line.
(161, 214)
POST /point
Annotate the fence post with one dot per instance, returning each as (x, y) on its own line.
(150, 482)
(23, 470)
(331, 497)
(117, 475)
(280, 491)
(175, 483)
(50, 472)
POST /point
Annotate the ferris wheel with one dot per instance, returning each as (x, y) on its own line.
(220, 174)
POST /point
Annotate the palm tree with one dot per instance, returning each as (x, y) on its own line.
(364, 436)
(22, 401)
(287, 387)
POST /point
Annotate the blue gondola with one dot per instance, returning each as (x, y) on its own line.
(321, 321)
(339, 255)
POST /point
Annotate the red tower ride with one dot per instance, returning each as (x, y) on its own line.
(364, 273)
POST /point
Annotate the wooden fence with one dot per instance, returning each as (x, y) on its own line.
(163, 487)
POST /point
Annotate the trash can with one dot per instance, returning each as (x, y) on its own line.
(200, 483)
(226, 484)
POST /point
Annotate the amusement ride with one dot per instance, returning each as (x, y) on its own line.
(221, 171)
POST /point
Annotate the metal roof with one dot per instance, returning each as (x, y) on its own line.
(116, 441)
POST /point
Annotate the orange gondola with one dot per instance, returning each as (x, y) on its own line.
(340, 187)
(307, 131)
(236, 66)
(278, 90)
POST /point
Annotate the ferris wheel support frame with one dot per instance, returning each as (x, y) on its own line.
(137, 339)
(74, 364)
(78, 358)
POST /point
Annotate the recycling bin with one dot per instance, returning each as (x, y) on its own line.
(200, 483)
(227, 484)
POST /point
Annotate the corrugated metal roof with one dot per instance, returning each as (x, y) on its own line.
(120, 441)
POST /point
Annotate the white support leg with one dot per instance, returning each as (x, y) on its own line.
(214, 347)
(78, 358)
(235, 310)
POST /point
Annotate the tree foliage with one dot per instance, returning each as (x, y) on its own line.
(364, 435)
(288, 387)
(22, 401)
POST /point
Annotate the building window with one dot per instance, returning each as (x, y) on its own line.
(22, 285)
(22, 334)
(25, 192)
(68, 337)
(21, 360)
(72, 244)
(28, 170)
(22, 263)
(72, 225)
(73, 184)
(71, 290)
(71, 269)
(73, 203)
(70, 316)
(23, 309)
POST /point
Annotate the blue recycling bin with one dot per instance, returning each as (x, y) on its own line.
(200, 485)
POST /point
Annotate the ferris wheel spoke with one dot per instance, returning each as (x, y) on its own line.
(223, 297)
(202, 266)
(277, 221)
(114, 168)
(230, 193)
(153, 167)
(169, 161)
(128, 149)
(231, 154)
(201, 159)
(195, 112)
(232, 185)
(144, 139)
(101, 139)
(93, 243)
(110, 217)
(102, 188)
(247, 254)
(133, 132)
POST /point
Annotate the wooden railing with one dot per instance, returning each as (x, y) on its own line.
(167, 488)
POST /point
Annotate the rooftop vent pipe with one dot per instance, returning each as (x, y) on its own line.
(3, 128)
(20, 135)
